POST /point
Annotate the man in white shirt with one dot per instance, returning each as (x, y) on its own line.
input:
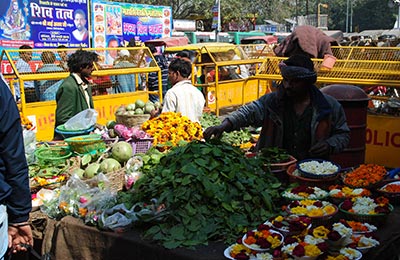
(183, 97)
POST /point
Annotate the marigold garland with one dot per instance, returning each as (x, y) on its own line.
(172, 127)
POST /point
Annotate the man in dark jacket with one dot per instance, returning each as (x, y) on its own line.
(297, 117)
(75, 93)
(15, 196)
(153, 76)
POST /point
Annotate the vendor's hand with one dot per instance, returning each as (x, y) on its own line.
(320, 149)
(155, 113)
(213, 131)
(18, 236)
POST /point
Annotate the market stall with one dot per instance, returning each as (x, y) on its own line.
(191, 199)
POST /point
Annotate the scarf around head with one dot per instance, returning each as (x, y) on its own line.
(296, 72)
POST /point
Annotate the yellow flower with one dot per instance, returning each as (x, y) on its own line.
(312, 250)
(316, 212)
(329, 209)
(321, 232)
(279, 218)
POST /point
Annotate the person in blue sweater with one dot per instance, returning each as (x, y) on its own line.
(15, 196)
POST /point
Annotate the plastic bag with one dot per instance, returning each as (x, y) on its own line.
(82, 120)
(30, 145)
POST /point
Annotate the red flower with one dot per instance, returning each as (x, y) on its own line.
(263, 227)
(334, 235)
(382, 209)
(318, 204)
(263, 243)
(323, 246)
(290, 240)
(298, 251)
(347, 205)
(242, 256)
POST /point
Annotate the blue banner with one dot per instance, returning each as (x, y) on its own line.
(44, 24)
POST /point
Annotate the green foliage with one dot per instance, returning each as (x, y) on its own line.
(208, 119)
(211, 190)
(236, 137)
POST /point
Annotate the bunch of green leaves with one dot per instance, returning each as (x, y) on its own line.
(274, 155)
(208, 119)
(211, 191)
(236, 137)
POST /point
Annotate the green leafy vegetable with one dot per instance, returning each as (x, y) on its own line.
(211, 191)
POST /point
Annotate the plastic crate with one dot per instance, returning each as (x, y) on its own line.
(141, 145)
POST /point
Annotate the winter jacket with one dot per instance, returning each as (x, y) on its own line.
(71, 100)
(328, 120)
(14, 178)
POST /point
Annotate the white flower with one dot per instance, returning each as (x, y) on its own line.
(342, 229)
(262, 256)
(313, 240)
(367, 242)
(364, 205)
(289, 248)
(319, 168)
(350, 253)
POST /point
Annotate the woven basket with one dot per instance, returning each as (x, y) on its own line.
(132, 120)
(86, 143)
(52, 154)
(116, 180)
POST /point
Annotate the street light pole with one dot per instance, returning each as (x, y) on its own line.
(347, 16)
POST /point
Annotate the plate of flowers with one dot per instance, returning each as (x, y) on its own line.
(364, 176)
(364, 243)
(237, 251)
(366, 209)
(304, 192)
(290, 225)
(318, 210)
(262, 239)
(304, 247)
(359, 227)
(345, 253)
(336, 235)
(338, 193)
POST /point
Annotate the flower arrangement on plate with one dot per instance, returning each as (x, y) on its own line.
(347, 253)
(304, 192)
(363, 243)
(241, 252)
(365, 176)
(337, 235)
(338, 193)
(312, 208)
(391, 190)
(359, 227)
(289, 225)
(262, 239)
(304, 247)
(366, 209)
(367, 205)
(317, 168)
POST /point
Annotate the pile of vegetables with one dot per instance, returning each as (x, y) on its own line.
(170, 128)
(211, 191)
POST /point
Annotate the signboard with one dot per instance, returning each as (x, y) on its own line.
(44, 24)
(116, 24)
(383, 140)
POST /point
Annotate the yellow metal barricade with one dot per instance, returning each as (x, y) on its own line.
(219, 75)
(104, 79)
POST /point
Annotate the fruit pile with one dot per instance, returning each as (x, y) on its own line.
(138, 108)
